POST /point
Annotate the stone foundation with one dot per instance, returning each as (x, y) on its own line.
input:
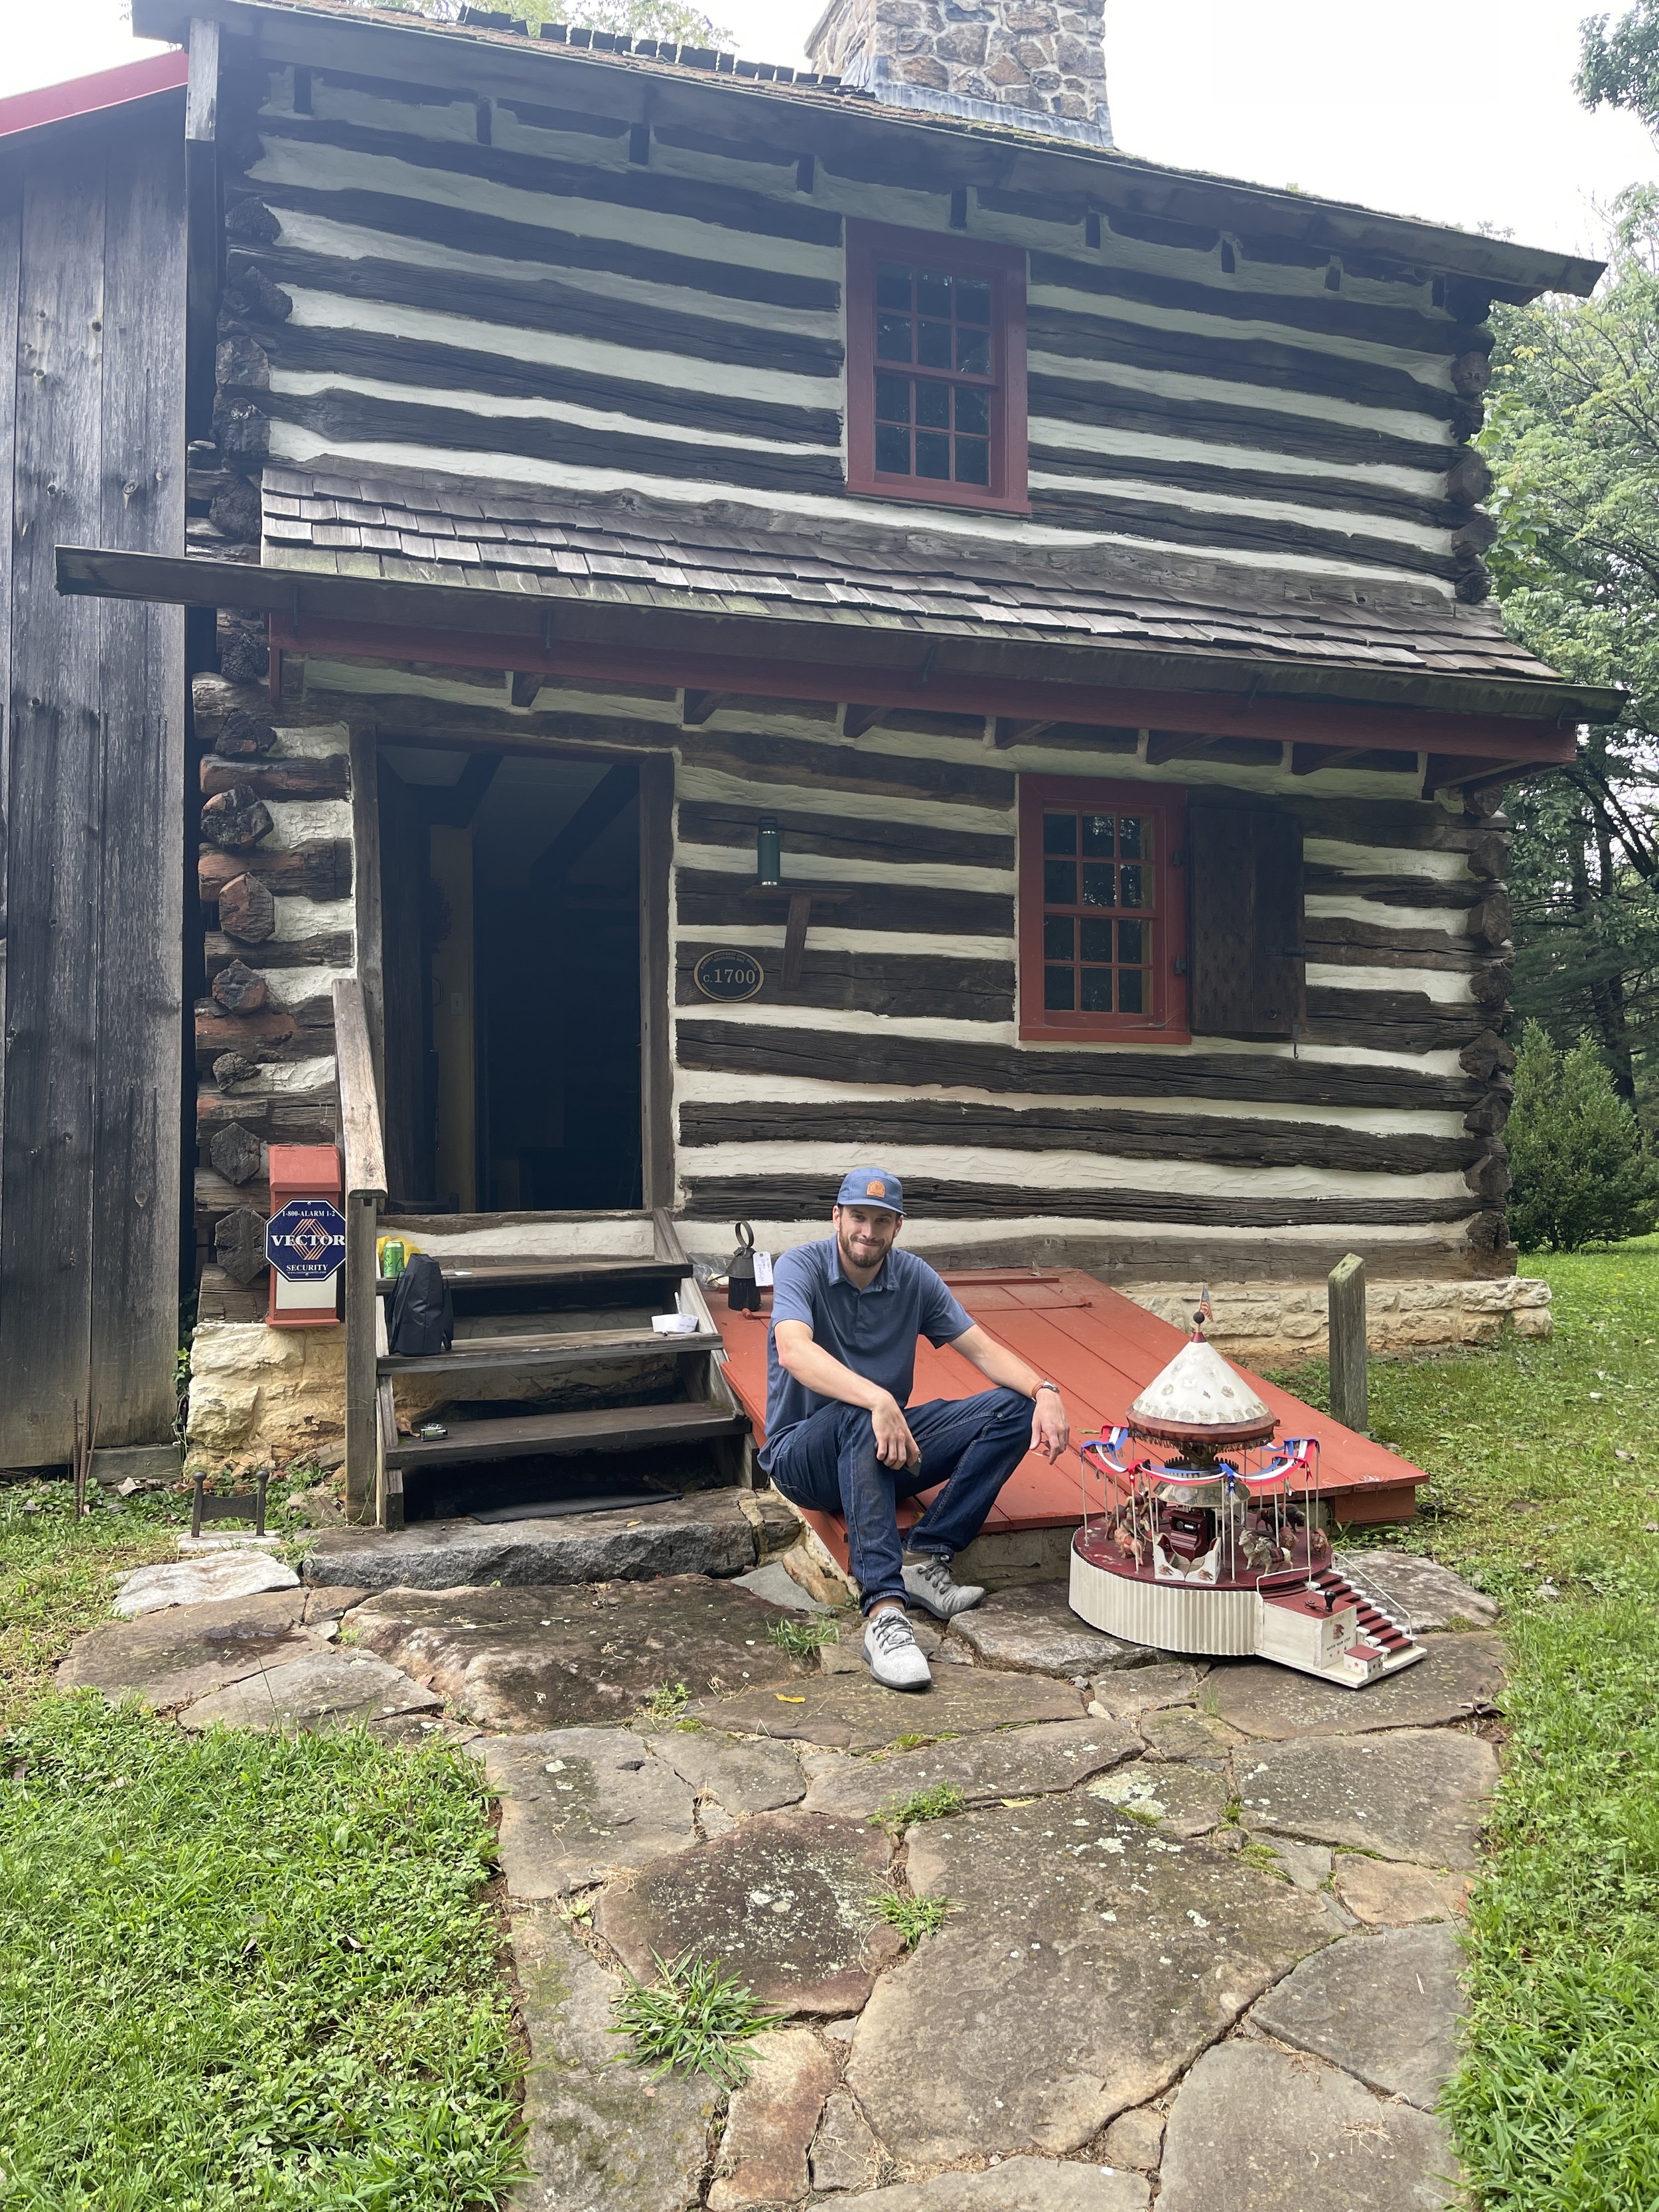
(260, 1396)
(1278, 1324)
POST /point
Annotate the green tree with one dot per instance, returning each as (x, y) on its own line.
(1572, 431)
(635, 19)
(1620, 67)
(1581, 1173)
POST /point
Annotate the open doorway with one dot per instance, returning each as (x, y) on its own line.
(510, 916)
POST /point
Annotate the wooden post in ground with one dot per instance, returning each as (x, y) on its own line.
(1346, 1296)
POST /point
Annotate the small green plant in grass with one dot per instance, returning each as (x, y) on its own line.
(665, 1705)
(802, 1634)
(694, 2017)
(935, 1804)
(913, 1917)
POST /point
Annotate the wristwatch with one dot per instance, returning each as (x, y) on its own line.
(1046, 1385)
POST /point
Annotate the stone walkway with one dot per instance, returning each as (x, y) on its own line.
(1199, 1950)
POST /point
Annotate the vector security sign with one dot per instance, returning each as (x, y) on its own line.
(305, 1240)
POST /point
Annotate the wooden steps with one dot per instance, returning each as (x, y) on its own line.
(554, 1275)
(604, 1429)
(542, 1352)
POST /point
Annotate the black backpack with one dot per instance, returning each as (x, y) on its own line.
(422, 1311)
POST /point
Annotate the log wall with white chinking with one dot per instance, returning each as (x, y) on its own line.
(503, 290)
(1379, 1130)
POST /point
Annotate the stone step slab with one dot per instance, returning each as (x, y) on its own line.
(1017, 2184)
(328, 1688)
(741, 1777)
(1387, 1894)
(1423, 1592)
(199, 1582)
(771, 2122)
(170, 1659)
(1462, 1676)
(1127, 1693)
(1019, 1762)
(784, 1900)
(1418, 1794)
(1094, 1959)
(1384, 2007)
(600, 2136)
(845, 2154)
(706, 1534)
(1254, 2130)
(579, 1803)
(1182, 1800)
(521, 1660)
(1033, 1626)
(852, 1712)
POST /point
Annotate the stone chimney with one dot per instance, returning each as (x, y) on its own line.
(1036, 63)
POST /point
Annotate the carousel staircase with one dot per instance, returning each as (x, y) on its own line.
(556, 1393)
(1377, 1627)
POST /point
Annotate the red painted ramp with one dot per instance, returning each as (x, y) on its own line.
(1102, 1350)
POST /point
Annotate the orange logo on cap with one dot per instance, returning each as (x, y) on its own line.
(875, 1190)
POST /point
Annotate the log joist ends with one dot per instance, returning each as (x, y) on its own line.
(1308, 760)
(697, 707)
(326, 775)
(1005, 730)
(1164, 746)
(1486, 1056)
(1472, 779)
(236, 819)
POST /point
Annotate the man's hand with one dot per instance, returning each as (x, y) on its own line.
(895, 1445)
(1050, 1429)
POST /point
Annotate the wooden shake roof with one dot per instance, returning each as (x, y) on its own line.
(695, 560)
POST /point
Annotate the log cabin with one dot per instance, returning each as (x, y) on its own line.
(738, 619)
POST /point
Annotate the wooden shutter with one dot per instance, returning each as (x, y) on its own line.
(1246, 960)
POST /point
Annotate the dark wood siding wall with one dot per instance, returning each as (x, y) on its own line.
(499, 290)
(1375, 1129)
(92, 452)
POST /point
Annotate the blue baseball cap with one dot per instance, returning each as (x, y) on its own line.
(871, 1186)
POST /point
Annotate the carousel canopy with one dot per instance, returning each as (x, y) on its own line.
(1198, 1391)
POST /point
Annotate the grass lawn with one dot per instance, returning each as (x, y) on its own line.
(1545, 1465)
(240, 1970)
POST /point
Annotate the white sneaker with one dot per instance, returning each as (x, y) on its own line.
(928, 1579)
(891, 1652)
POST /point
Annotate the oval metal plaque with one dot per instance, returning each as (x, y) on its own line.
(728, 974)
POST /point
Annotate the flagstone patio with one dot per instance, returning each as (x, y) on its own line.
(1198, 1937)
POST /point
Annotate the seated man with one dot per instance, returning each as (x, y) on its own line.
(842, 1438)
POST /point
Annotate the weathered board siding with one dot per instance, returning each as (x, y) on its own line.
(91, 451)
(491, 289)
(1378, 1131)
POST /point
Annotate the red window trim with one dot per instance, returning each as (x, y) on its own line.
(1165, 1023)
(1005, 267)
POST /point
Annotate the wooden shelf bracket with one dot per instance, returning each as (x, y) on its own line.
(801, 901)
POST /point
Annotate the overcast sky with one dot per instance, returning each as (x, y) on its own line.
(1463, 114)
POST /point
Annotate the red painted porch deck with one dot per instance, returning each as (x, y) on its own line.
(1102, 1349)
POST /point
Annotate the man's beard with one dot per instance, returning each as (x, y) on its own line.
(849, 1258)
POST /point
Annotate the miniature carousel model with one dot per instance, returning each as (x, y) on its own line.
(1200, 1553)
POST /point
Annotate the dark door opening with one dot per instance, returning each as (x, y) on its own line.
(510, 917)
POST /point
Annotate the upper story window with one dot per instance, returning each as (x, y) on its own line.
(1103, 922)
(936, 368)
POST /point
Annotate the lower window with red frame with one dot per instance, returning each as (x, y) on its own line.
(1102, 911)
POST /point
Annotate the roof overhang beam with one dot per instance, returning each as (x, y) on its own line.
(798, 654)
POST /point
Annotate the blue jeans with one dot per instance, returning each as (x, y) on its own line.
(972, 1445)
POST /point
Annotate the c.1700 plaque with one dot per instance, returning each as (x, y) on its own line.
(728, 974)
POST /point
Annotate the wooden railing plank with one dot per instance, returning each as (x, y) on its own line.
(365, 1195)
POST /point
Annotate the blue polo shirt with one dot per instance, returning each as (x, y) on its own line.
(873, 1332)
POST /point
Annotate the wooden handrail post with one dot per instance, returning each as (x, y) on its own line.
(1345, 1307)
(365, 1195)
